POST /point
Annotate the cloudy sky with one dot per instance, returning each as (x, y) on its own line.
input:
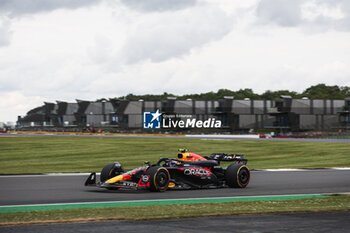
(88, 49)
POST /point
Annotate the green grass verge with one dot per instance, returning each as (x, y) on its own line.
(66, 206)
(332, 203)
(86, 154)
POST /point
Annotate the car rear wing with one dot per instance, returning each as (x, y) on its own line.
(239, 158)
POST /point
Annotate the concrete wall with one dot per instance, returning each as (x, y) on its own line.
(109, 109)
(134, 107)
(199, 107)
(72, 108)
(94, 108)
(338, 105)
(150, 106)
(330, 121)
(183, 106)
(94, 120)
(135, 121)
(318, 107)
(68, 118)
(307, 121)
(212, 105)
(247, 121)
(301, 106)
(258, 106)
(241, 106)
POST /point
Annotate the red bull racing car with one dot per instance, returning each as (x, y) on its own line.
(188, 171)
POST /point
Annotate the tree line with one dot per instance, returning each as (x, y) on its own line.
(319, 91)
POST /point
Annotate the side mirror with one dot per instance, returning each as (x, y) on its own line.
(147, 163)
(183, 150)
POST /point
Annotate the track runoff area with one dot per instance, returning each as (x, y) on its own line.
(26, 193)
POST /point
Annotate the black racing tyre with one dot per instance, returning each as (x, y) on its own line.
(108, 172)
(237, 176)
(159, 178)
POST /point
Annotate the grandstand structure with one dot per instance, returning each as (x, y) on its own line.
(284, 113)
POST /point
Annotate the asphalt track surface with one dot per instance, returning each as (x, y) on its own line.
(41, 189)
(288, 222)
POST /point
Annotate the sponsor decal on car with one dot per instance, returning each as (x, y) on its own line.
(195, 171)
(145, 178)
(224, 157)
(127, 183)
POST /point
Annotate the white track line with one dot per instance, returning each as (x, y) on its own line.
(222, 136)
(342, 168)
(303, 169)
(48, 174)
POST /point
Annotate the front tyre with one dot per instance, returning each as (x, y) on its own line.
(159, 178)
(110, 170)
(237, 176)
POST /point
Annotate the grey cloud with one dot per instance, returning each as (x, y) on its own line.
(341, 24)
(282, 12)
(158, 5)
(19, 7)
(288, 13)
(174, 35)
(5, 33)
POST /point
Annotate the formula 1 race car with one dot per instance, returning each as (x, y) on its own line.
(188, 171)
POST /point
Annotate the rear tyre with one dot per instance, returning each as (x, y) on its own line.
(237, 176)
(109, 171)
(159, 178)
